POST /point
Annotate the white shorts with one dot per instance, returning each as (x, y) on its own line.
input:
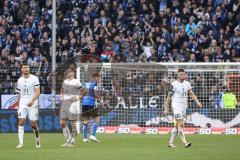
(179, 113)
(30, 112)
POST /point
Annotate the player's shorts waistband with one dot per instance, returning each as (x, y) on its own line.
(35, 106)
(88, 106)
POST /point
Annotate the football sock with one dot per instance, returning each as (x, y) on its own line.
(85, 131)
(182, 135)
(94, 129)
(20, 134)
(74, 132)
(173, 135)
(66, 133)
(36, 131)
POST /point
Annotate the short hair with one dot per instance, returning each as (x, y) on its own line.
(181, 70)
(71, 69)
(95, 75)
(24, 64)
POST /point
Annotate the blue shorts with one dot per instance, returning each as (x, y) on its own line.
(89, 111)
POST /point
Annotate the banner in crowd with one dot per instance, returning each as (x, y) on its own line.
(10, 101)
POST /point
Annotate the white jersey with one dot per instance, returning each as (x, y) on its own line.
(70, 88)
(25, 88)
(180, 94)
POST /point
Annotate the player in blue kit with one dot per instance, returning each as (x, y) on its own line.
(89, 95)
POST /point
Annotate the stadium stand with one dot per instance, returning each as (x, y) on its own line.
(116, 31)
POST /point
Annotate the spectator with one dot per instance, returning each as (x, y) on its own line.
(229, 100)
(219, 97)
(191, 27)
(163, 51)
(148, 47)
(218, 56)
(120, 31)
(107, 54)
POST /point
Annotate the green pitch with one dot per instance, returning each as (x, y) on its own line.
(122, 147)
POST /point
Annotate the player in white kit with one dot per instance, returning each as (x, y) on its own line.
(70, 104)
(28, 89)
(178, 93)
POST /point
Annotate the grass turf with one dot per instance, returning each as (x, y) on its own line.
(122, 147)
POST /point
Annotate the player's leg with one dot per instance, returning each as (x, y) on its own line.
(66, 132)
(73, 117)
(74, 131)
(63, 123)
(22, 114)
(85, 129)
(85, 117)
(182, 135)
(95, 116)
(174, 133)
(95, 125)
(33, 117)
(36, 133)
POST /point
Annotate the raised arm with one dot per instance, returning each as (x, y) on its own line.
(141, 43)
(83, 32)
(151, 38)
(90, 32)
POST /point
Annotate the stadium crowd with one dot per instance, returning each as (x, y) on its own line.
(116, 31)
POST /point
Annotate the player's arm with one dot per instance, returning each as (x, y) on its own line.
(36, 93)
(61, 93)
(168, 100)
(77, 97)
(82, 93)
(18, 91)
(194, 97)
(35, 97)
(97, 96)
(18, 97)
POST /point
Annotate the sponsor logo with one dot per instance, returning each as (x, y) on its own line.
(231, 131)
(205, 131)
(123, 130)
(151, 131)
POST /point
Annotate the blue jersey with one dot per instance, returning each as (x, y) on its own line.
(89, 99)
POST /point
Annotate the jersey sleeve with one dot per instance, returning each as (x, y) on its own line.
(18, 88)
(63, 83)
(79, 84)
(171, 87)
(63, 86)
(36, 83)
(189, 86)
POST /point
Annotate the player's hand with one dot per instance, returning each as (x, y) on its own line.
(74, 98)
(199, 104)
(61, 97)
(166, 112)
(30, 104)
